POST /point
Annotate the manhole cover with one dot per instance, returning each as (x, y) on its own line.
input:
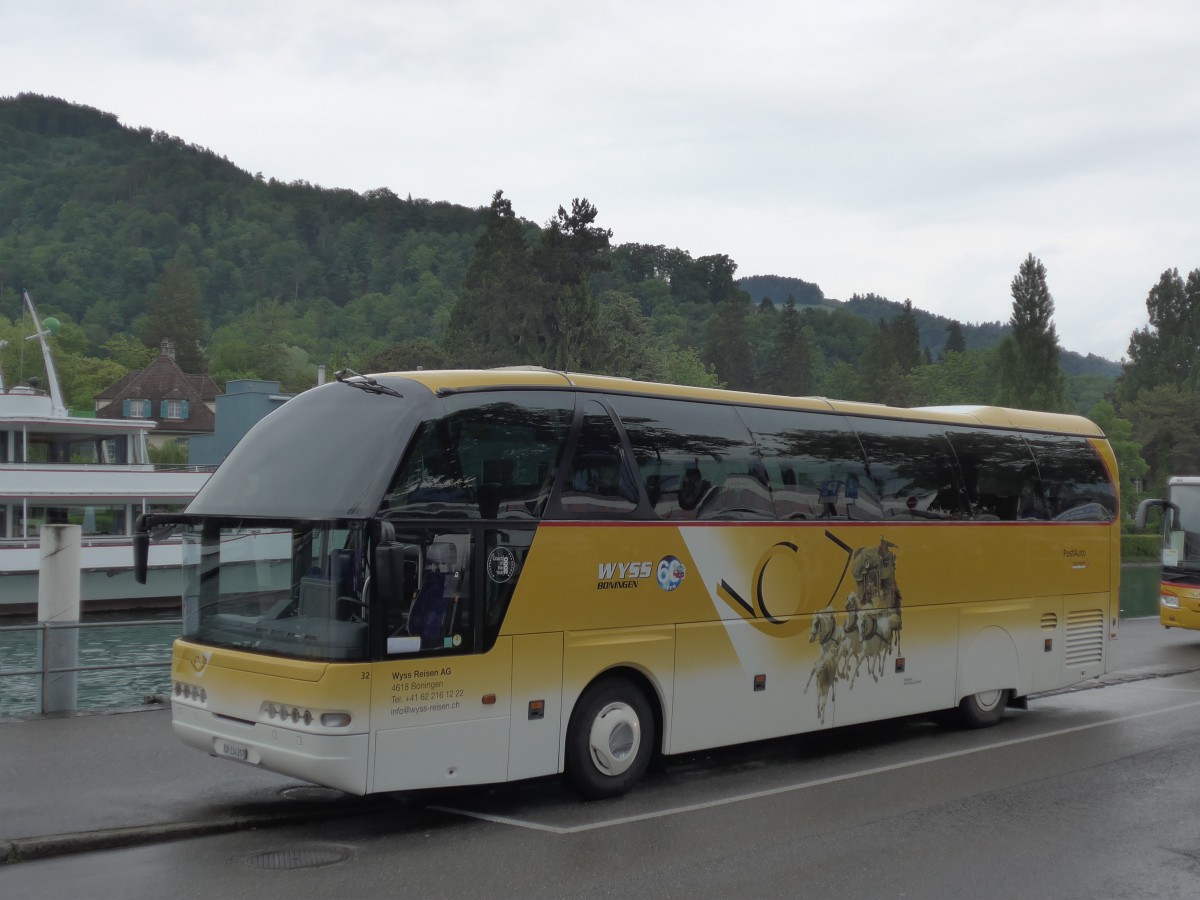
(298, 858)
(313, 793)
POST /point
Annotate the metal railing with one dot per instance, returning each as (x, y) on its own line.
(46, 672)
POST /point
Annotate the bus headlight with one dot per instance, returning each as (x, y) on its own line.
(300, 717)
(1169, 601)
(189, 693)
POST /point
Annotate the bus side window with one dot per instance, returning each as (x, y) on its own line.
(912, 468)
(428, 598)
(599, 480)
(999, 473)
(1074, 479)
(813, 462)
(490, 455)
(698, 460)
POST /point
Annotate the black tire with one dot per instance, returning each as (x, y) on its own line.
(983, 709)
(610, 739)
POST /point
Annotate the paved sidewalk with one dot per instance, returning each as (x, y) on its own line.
(87, 782)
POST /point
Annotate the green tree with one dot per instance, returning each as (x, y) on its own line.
(623, 338)
(1029, 374)
(501, 316)
(840, 381)
(965, 378)
(727, 348)
(1166, 422)
(172, 454)
(955, 342)
(1129, 457)
(572, 249)
(679, 365)
(405, 357)
(789, 369)
(1167, 350)
(893, 351)
(762, 327)
(128, 352)
(175, 299)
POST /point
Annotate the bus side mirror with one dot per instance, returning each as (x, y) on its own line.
(141, 554)
(1143, 511)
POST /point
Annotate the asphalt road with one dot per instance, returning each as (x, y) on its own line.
(1089, 794)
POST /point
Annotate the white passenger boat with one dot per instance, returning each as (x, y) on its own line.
(56, 468)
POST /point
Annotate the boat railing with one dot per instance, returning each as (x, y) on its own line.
(86, 540)
(39, 465)
(18, 683)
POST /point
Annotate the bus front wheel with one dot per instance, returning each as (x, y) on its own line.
(609, 740)
(982, 709)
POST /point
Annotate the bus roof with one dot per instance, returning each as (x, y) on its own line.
(535, 376)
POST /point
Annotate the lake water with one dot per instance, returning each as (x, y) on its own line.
(113, 644)
(118, 688)
(1139, 591)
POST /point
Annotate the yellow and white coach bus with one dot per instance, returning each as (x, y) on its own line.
(427, 579)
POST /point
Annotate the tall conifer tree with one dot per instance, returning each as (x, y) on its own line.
(789, 369)
(1030, 376)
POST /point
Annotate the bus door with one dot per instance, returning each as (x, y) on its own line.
(442, 710)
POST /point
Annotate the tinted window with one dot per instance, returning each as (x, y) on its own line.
(697, 460)
(599, 480)
(1074, 479)
(911, 469)
(999, 474)
(813, 463)
(489, 455)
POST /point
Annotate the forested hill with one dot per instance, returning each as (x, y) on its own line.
(91, 212)
(932, 328)
(131, 236)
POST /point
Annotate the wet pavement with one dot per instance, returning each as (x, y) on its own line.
(97, 781)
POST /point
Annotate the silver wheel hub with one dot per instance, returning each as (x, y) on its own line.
(615, 738)
(988, 700)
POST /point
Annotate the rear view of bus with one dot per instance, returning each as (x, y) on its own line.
(1179, 593)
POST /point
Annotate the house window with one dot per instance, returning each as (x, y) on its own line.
(137, 409)
(174, 409)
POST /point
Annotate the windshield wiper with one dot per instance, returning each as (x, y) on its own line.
(363, 383)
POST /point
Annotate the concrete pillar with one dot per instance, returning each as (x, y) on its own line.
(58, 602)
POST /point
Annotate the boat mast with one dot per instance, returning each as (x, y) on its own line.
(57, 407)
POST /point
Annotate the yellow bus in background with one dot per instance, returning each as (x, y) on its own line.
(1179, 590)
(426, 579)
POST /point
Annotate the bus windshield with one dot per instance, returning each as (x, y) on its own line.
(293, 590)
(1181, 538)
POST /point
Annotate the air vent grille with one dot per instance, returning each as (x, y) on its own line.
(1084, 638)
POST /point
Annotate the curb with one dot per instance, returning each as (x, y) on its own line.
(31, 848)
(18, 850)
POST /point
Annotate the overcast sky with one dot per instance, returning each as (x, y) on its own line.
(916, 149)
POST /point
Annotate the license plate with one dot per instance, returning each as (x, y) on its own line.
(234, 751)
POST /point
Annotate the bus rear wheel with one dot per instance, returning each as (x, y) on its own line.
(609, 740)
(982, 709)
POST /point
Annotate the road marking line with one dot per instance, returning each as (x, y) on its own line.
(804, 785)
